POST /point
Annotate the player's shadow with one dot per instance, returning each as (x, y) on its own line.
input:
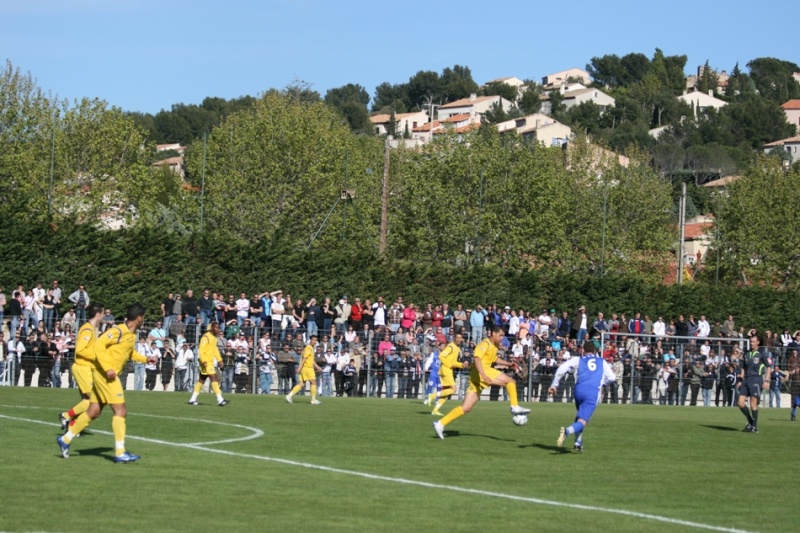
(451, 433)
(547, 447)
(721, 428)
(105, 452)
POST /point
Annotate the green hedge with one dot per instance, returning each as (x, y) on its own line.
(143, 265)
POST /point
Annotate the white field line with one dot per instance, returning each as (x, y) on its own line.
(402, 481)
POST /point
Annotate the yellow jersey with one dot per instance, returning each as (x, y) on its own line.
(208, 351)
(449, 357)
(114, 347)
(487, 353)
(308, 358)
(84, 349)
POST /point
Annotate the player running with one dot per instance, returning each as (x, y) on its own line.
(591, 373)
(84, 362)
(306, 370)
(207, 354)
(112, 350)
(482, 375)
(449, 360)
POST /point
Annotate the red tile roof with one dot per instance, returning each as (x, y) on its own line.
(792, 104)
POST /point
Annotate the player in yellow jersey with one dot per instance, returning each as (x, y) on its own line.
(449, 360)
(112, 350)
(208, 352)
(306, 370)
(482, 375)
(84, 362)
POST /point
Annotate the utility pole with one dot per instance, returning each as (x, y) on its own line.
(203, 182)
(385, 196)
(682, 226)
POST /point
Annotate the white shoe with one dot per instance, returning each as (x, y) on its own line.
(439, 428)
(289, 399)
(562, 434)
(192, 402)
(517, 410)
(315, 402)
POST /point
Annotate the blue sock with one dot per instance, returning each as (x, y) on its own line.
(577, 427)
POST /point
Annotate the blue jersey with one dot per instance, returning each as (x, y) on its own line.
(434, 381)
(591, 373)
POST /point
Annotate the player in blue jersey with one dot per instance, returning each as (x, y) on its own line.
(434, 384)
(754, 376)
(591, 373)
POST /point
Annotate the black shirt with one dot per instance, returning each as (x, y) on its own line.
(190, 306)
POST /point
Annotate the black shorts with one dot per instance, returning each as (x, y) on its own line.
(751, 388)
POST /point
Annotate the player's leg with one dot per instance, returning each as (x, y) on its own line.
(119, 427)
(312, 383)
(754, 401)
(216, 390)
(469, 402)
(742, 402)
(77, 425)
(504, 380)
(84, 380)
(197, 388)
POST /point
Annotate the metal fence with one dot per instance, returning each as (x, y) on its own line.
(260, 360)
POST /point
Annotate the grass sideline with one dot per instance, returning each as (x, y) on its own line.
(376, 465)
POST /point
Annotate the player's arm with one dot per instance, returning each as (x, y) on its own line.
(563, 368)
(608, 374)
(136, 357)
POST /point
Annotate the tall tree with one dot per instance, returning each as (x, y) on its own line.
(773, 79)
(759, 228)
(457, 83)
(351, 101)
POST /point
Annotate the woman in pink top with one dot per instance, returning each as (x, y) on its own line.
(385, 346)
(409, 317)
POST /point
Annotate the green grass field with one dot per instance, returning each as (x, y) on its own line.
(261, 464)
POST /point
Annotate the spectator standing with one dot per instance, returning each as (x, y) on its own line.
(80, 299)
(139, 372)
(166, 310)
(183, 360)
(167, 367)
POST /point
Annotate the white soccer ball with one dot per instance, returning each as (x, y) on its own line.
(519, 420)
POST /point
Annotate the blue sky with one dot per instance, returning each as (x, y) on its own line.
(145, 55)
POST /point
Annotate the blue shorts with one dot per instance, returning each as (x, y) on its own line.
(585, 408)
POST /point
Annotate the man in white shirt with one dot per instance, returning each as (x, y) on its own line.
(513, 324)
(544, 324)
(659, 328)
(379, 313)
(183, 359)
(242, 309)
(703, 327)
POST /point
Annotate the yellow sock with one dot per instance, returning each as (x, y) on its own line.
(452, 415)
(198, 387)
(80, 424)
(440, 403)
(215, 388)
(297, 388)
(313, 391)
(118, 425)
(81, 407)
(511, 387)
(431, 397)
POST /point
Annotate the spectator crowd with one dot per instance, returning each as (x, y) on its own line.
(373, 348)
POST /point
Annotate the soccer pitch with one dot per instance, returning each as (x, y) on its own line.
(357, 464)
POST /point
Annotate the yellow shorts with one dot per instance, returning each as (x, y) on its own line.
(446, 379)
(107, 392)
(207, 368)
(475, 382)
(83, 377)
(308, 375)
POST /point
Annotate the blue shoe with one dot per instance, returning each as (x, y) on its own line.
(126, 457)
(64, 447)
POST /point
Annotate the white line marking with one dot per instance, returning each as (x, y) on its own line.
(426, 484)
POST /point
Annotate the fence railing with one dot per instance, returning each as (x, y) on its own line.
(248, 368)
